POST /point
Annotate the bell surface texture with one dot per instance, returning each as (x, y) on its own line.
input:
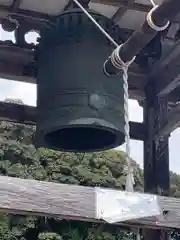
(79, 108)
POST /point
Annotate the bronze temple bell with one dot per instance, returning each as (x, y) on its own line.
(79, 108)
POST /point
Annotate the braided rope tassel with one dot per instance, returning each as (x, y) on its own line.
(129, 178)
(119, 64)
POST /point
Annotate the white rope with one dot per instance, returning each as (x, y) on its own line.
(152, 2)
(96, 23)
(138, 235)
(119, 64)
(152, 24)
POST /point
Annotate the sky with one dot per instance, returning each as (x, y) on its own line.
(27, 92)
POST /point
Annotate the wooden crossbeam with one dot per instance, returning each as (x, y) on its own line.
(121, 11)
(17, 70)
(20, 196)
(4, 10)
(15, 5)
(123, 3)
(26, 114)
(166, 72)
(40, 17)
(26, 14)
(172, 123)
(17, 113)
(15, 65)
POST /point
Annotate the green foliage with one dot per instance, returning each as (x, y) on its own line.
(49, 236)
(19, 158)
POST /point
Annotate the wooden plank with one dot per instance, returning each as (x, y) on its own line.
(20, 196)
(27, 114)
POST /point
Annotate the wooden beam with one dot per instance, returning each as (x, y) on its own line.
(121, 11)
(166, 72)
(26, 14)
(172, 123)
(156, 152)
(22, 196)
(15, 71)
(17, 113)
(15, 65)
(156, 156)
(15, 5)
(35, 16)
(72, 5)
(123, 3)
(43, 18)
(14, 61)
(26, 114)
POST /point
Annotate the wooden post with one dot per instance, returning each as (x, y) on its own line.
(156, 152)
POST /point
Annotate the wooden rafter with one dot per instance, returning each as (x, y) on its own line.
(123, 3)
(41, 17)
(30, 15)
(72, 5)
(15, 5)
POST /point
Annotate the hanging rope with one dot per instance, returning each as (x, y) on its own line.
(96, 24)
(138, 234)
(152, 2)
(118, 63)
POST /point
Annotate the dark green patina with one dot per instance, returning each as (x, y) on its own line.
(79, 108)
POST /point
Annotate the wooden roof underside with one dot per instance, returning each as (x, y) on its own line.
(135, 9)
(128, 14)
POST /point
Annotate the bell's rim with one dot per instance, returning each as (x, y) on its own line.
(117, 137)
